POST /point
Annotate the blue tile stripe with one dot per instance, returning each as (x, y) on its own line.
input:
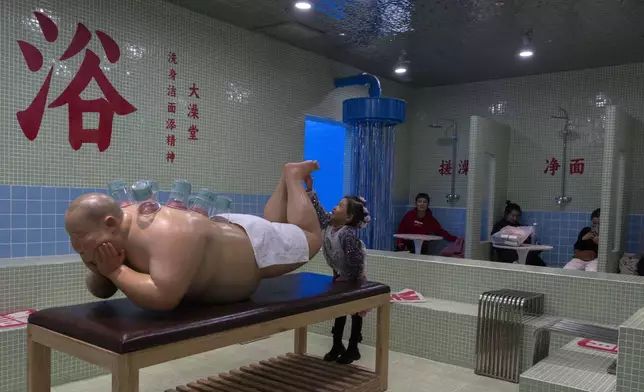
(32, 218)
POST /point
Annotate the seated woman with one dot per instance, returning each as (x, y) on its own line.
(421, 221)
(511, 217)
(586, 247)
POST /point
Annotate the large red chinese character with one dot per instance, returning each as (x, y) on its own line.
(170, 124)
(445, 168)
(193, 111)
(172, 107)
(552, 166)
(30, 119)
(172, 91)
(194, 91)
(577, 166)
(464, 167)
(172, 58)
(193, 132)
(170, 140)
(173, 74)
(169, 156)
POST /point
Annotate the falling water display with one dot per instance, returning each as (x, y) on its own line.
(373, 120)
(372, 172)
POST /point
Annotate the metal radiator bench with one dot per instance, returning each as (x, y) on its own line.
(573, 329)
(499, 336)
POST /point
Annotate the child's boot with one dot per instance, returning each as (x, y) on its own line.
(338, 348)
(352, 353)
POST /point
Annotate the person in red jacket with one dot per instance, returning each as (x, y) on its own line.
(421, 221)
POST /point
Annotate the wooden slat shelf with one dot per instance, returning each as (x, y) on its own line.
(289, 373)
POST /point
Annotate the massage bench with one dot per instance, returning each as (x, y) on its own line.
(123, 338)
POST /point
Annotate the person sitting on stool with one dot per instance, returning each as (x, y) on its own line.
(511, 217)
(421, 221)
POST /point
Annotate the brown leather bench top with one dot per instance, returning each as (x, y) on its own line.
(122, 327)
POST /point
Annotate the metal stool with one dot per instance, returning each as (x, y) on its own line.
(499, 334)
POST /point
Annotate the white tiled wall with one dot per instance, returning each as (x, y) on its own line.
(254, 94)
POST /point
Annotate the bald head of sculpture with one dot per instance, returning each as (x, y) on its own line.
(91, 220)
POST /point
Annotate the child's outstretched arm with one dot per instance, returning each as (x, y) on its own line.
(353, 254)
(323, 216)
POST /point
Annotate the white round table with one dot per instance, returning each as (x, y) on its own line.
(418, 239)
(523, 250)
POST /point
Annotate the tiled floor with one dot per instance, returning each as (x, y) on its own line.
(406, 373)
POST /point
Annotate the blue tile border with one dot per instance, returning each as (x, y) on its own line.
(32, 221)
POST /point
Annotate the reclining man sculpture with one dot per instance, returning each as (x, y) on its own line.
(174, 255)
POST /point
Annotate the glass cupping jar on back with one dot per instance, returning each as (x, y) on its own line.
(145, 193)
(179, 195)
(121, 193)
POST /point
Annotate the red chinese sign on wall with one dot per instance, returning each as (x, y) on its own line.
(193, 113)
(113, 103)
(445, 168)
(577, 166)
(175, 117)
(171, 123)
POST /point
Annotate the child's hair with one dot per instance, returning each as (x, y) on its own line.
(595, 213)
(509, 207)
(357, 210)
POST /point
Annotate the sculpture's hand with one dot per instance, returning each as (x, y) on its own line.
(108, 259)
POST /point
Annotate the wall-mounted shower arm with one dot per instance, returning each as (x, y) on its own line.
(363, 79)
(563, 199)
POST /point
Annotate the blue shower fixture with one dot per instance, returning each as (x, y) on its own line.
(388, 111)
(373, 120)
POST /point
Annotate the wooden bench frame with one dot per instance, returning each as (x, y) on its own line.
(125, 367)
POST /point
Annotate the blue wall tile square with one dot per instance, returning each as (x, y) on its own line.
(48, 248)
(61, 235)
(5, 251)
(62, 194)
(63, 248)
(48, 221)
(5, 236)
(34, 193)
(48, 207)
(34, 249)
(75, 192)
(61, 207)
(5, 192)
(18, 250)
(18, 192)
(34, 222)
(60, 220)
(18, 206)
(34, 235)
(48, 235)
(48, 193)
(34, 207)
(5, 206)
(18, 236)
(18, 221)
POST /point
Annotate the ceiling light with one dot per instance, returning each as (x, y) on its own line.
(341, 34)
(402, 65)
(401, 69)
(527, 49)
(303, 5)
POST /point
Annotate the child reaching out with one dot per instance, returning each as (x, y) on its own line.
(344, 253)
